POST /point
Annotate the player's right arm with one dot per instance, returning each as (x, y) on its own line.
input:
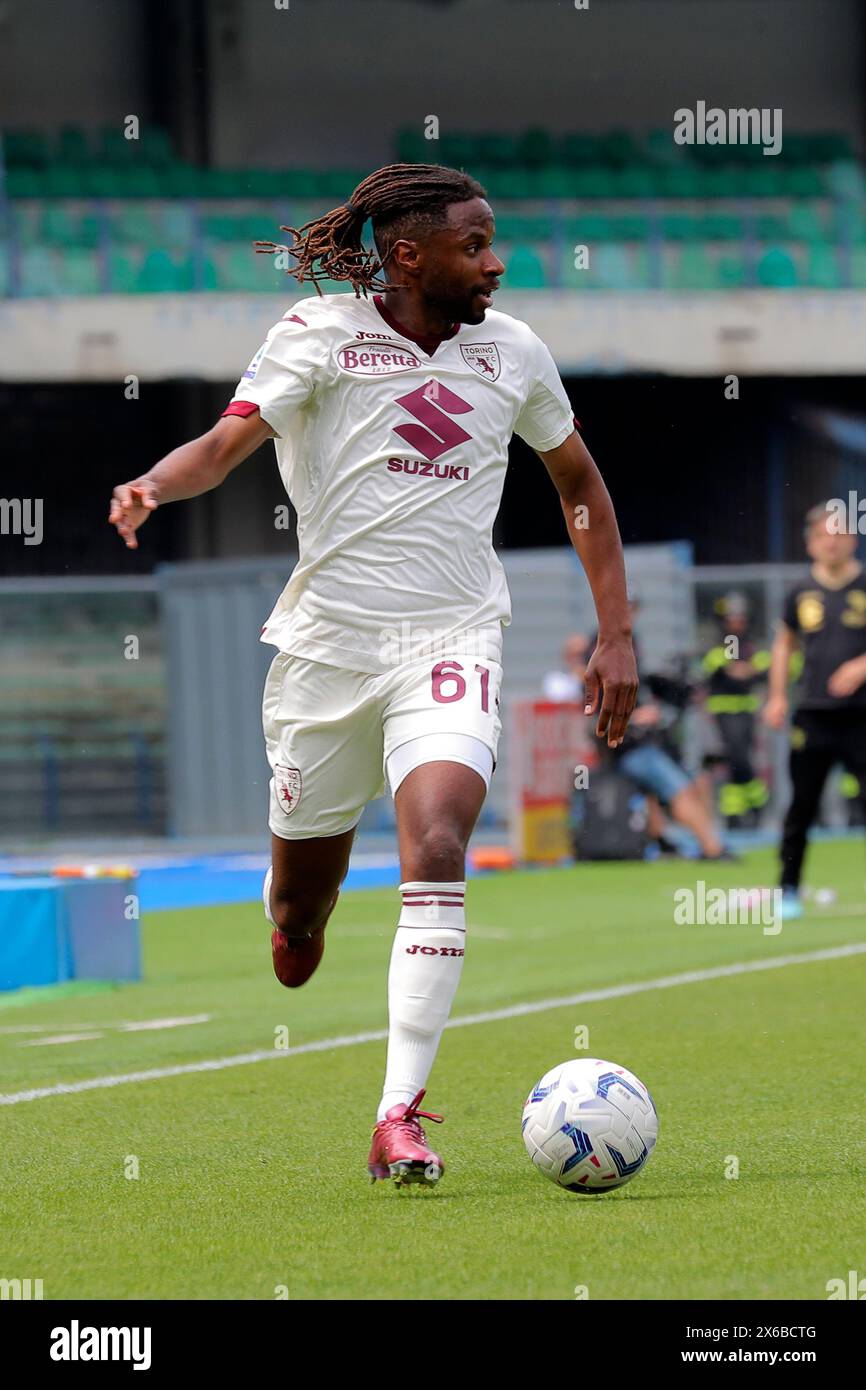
(188, 471)
(784, 645)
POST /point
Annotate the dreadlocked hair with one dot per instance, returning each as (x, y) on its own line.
(399, 199)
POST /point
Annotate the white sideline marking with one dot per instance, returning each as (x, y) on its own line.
(59, 1038)
(592, 996)
(137, 1026)
(155, 1023)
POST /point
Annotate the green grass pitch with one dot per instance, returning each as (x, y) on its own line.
(252, 1179)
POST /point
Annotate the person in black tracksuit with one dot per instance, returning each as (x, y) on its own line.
(826, 614)
(733, 700)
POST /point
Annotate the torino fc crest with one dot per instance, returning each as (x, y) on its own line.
(287, 782)
(483, 357)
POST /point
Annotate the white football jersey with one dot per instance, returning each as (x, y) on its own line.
(394, 459)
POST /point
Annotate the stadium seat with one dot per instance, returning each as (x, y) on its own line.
(804, 224)
(23, 183)
(777, 270)
(73, 146)
(858, 267)
(122, 273)
(160, 274)
(613, 268)
(134, 225)
(721, 227)
(731, 272)
(823, 269)
(25, 149)
(692, 270)
(176, 225)
(38, 268)
(78, 271)
(524, 269)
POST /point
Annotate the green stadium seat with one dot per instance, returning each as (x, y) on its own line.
(804, 224)
(777, 270)
(678, 181)
(177, 225)
(58, 226)
(134, 226)
(677, 226)
(79, 271)
(612, 268)
(73, 146)
(717, 182)
(618, 149)
(242, 269)
(25, 148)
(554, 182)
(101, 181)
(722, 227)
(154, 147)
(139, 181)
(593, 227)
(635, 181)
(631, 228)
(161, 274)
(535, 149)
(764, 180)
(803, 183)
(122, 273)
(858, 267)
(494, 149)
(524, 269)
(64, 181)
(845, 179)
(580, 150)
(23, 183)
(771, 227)
(731, 272)
(823, 268)
(691, 270)
(39, 272)
(5, 271)
(593, 183)
(182, 181)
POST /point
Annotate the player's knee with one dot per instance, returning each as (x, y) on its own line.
(300, 913)
(440, 854)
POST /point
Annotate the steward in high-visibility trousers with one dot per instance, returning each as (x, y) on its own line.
(734, 668)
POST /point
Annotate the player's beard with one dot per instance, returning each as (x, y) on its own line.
(453, 309)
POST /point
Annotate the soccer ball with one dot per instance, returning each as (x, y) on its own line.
(589, 1125)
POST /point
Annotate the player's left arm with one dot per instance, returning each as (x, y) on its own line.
(592, 529)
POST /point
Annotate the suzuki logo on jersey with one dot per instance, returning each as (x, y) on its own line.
(433, 404)
(376, 359)
(483, 358)
(460, 471)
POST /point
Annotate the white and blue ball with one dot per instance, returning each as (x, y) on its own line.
(589, 1125)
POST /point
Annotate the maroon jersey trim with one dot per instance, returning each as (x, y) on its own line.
(427, 344)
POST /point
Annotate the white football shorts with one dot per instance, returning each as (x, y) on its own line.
(329, 733)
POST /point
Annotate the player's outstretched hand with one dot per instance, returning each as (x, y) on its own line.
(612, 672)
(131, 505)
(775, 712)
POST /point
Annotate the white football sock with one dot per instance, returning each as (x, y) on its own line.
(426, 962)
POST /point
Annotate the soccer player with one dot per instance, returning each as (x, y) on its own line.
(826, 614)
(391, 417)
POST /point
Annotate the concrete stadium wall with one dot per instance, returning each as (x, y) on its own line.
(211, 337)
(326, 82)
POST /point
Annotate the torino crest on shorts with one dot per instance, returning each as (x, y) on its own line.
(287, 783)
